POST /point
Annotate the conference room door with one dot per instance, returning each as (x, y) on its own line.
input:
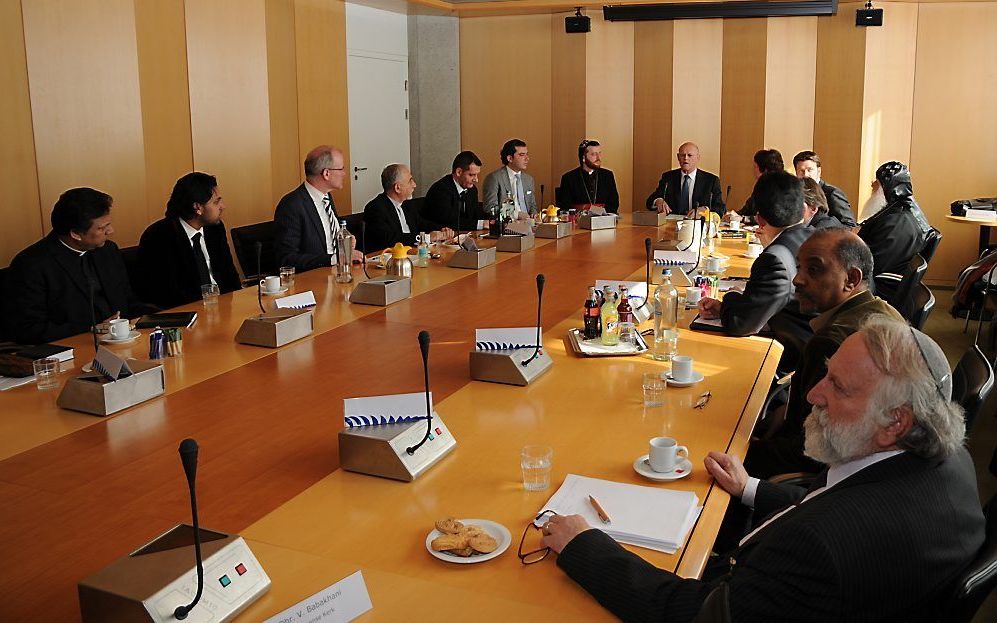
(379, 126)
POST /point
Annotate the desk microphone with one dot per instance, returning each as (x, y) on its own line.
(727, 198)
(93, 316)
(188, 456)
(541, 198)
(259, 279)
(540, 296)
(424, 347)
(647, 269)
(363, 247)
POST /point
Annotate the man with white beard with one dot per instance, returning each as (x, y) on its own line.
(896, 232)
(881, 534)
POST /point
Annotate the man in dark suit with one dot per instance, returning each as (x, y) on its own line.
(768, 294)
(391, 218)
(815, 213)
(764, 161)
(880, 536)
(589, 185)
(51, 283)
(306, 218)
(682, 190)
(807, 164)
(187, 248)
(452, 200)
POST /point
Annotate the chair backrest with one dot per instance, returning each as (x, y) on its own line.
(979, 579)
(931, 242)
(130, 256)
(3, 288)
(972, 380)
(922, 304)
(902, 297)
(354, 224)
(244, 241)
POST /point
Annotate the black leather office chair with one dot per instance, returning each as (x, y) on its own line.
(355, 225)
(931, 242)
(244, 241)
(773, 413)
(922, 304)
(972, 380)
(898, 290)
(978, 580)
(130, 257)
(3, 288)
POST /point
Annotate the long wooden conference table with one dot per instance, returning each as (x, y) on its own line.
(77, 491)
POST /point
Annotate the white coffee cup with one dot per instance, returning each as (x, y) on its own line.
(714, 265)
(663, 452)
(693, 294)
(681, 368)
(735, 224)
(754, 249)
(270, 284)
(120, 328)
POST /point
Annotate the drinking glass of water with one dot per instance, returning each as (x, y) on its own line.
(536, 463)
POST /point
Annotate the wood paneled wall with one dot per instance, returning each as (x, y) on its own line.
(128, 95)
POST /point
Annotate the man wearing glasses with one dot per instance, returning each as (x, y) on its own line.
(589, 185)
(306, 218)
(880, 535)
(682, 190)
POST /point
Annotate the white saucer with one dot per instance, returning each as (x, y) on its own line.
(750, 257)
(498, 532)
(682, 469)
(132, 336)
(696, 377)
(281, 291)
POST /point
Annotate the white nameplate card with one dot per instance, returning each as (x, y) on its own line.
(674, 258)
(636, 290)
(343, 601)
(109, 365)
(506, 339)
(981, 215)
(597, 210)
(297, 301)
(390, 409)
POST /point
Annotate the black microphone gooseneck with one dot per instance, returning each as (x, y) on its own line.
(647, 270)
(188, 456)
(541, 206)
(259, 277)
(727, 198)
(701, 222)
(93, 315)
(424, 347)
(540, 297)
(363, 243)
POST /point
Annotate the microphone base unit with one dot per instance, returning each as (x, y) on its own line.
(148, 584)
(516, 244)
(649, 218)
(644, 312)
(606, 221)
(380, 450)
(506, 366)
(472, 260)
(277, 328)
(88, 393)
(553, 230)
(382, 291)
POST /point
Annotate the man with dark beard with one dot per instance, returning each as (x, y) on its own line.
(882, 533)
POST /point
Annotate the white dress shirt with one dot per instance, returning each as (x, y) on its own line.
(191, 232)
(835, 474)
(401, 215)
(329, 228)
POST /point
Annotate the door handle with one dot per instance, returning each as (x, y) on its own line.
(357, 170)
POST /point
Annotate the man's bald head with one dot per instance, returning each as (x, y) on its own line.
(324, 168)
(688, 157)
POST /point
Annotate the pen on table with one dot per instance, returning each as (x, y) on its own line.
(598, 509)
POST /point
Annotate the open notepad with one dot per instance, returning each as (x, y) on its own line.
(648, 517)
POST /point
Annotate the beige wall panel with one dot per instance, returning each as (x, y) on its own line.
(503, 95)
(323, 108)
(20, 211)
(609, 99)
(653, 148)
(285, 161)
(954, 127)
(568, 71)
(742, 124)
(697, 71)
(888, 94)
(85, 104)
(162, 65)
(839, 93)
(789, 85)
(230, 115)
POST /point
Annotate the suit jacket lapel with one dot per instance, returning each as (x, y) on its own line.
(311, 214)
(72, 265)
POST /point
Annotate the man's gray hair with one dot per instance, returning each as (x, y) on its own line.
(391, 175)
(917, 376)
(316, 163)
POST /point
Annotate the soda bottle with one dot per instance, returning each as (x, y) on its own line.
(610, 317)
(666, 300)
(591, 316)
(626, 314)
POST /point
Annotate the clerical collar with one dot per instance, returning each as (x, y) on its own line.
(76, 251)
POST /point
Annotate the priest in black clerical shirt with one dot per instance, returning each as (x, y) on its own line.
(589, 184)
(51, 284)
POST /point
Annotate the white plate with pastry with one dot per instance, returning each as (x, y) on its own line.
(473, 537)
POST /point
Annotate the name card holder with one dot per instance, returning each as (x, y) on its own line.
(382, 291)
(472, 260)
(649, 218)
(89, 393)
(506, 366)
(587, 221)
(277, 328)
(516, 244)
(553, 230)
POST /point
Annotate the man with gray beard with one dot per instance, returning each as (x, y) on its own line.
(880, 536)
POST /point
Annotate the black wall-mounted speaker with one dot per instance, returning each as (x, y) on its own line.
(869, 17)
(577, 23)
